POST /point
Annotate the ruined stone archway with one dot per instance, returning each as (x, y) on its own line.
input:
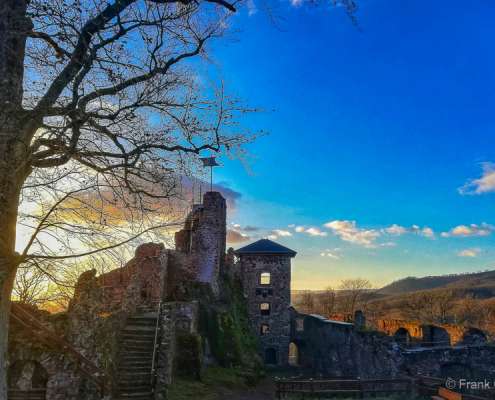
(435, 336)
(293, 355)
(402, 336)
(271, 356)
(27, 375)
(474, 336)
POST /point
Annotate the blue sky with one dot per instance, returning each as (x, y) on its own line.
(373, 131)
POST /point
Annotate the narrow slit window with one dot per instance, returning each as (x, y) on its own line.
(265, 278)
(300, 325)
(264, 329)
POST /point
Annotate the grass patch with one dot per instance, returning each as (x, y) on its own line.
(215, 380)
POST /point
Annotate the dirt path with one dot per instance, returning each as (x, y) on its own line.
(264, 391)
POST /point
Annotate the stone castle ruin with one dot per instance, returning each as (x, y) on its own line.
(129, 332)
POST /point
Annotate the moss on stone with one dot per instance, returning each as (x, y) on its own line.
(225, 326)
(215, 380)
(189, 355)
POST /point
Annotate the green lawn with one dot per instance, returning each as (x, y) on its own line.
(214, 381)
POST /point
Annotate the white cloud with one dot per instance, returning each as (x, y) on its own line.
(427, 232)
(398, 230)
(485, 184)
(474, 252)
(281, 232)
(234, 236)
(483, 229)
(388, 244)
(331, 253)
(277, 233)
(315, 232)
(311, 231)
(349, 232)
(296, 3)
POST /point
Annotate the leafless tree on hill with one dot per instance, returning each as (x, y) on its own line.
(353, 291)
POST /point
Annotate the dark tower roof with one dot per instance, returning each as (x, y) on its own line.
(265, 246)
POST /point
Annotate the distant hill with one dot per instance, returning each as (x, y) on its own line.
(479, 280)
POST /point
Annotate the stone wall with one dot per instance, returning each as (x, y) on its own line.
(204, 238)
(432, 334)
(336, 349)
(31, 359)
(141, 281)
(276, 294)
(175, 318)
(475, 363)
(327, 348)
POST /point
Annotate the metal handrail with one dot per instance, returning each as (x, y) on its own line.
(155, 344)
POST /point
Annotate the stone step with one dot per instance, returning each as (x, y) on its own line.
(145, 332)
(136, 396)
(139, 328)
(131, 347)
(133, 363)
(137, 340)
(135, 368)
(131, 387)
(34, 394)
(146, 313)
(142, 320)
(137, 344)
(143, 381)
(132, 360)
(136, 332)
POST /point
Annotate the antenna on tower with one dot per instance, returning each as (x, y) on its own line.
(212, 163)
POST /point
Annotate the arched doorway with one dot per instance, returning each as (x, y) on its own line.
(402, 336)
(27, 376)
(293, 355)
(474, 336)
(439, 336)
(271, 356)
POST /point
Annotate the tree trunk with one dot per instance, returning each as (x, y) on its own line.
(11, 181)
(14, 26)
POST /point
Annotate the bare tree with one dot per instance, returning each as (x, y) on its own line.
(99, 106)
(100, 110)
(412, 307)
(327, 301)
(31, 287)
(353, 290)
(307, 302)
(444, 301)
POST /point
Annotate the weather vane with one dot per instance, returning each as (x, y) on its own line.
(210, 162)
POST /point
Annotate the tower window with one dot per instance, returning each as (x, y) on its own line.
(299, 325)
(264, 329)
(265, 278)
(265, 308)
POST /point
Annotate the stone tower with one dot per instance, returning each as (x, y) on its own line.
(266, 276)
(204, 238)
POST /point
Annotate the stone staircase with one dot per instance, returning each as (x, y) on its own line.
(33, 394)
(136, 353)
